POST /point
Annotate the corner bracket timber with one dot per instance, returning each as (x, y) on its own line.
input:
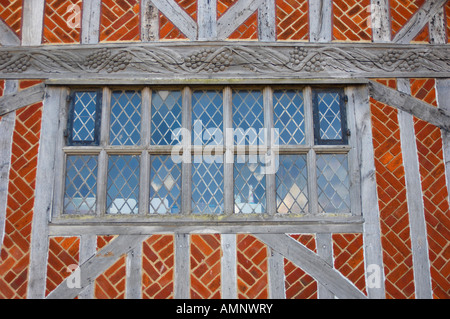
(223, 60)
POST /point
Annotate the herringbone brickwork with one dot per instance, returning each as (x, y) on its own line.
(158, 267)
(252, 268)
(167, 30)
(392, 201)
(11, 13)
(348, 253)
(15, 252)
(435, 193)
(62, 22)
(292, 20)
(351, 20)
(111, 284)
(63, 254)
(247, 30)
(205, 266)
(401, 12)
(298, 284)
(120, 20)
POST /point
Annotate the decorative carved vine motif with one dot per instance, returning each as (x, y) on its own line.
(224, 60)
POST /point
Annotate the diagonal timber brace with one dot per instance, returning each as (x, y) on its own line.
(12, 102)
(97, 264)
(411, 105)
(312, 264)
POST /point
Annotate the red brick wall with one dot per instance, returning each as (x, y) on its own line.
(11, 13)
(391, 188)
(435, 193)
(60, 23)
(351, 20)
(15, 252)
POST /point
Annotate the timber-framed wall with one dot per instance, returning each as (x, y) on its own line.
(393, 61)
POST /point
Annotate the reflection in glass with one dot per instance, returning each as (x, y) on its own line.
(80, 195)
(123, 184)
(166, 116)
(165, 186)
(333, 183)
(289, 116)
(125, 118)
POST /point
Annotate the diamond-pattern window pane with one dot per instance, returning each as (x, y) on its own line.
(166, 117)
(248, 117)
(84, 117)
(207, 185)
(207, 119)
(289, 116)
(165, 186)
(329, 115)
(125, 118)
(333, 183)
(292, 185)
(123, 184)
(80, 196)
(249, 185)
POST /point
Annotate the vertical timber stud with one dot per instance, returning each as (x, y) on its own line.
(266, 21)
(320, 17)
(45, 177)
(358, 103)
(325, 250)
(90, 21)
(7, 124)
(443, 93)
(207, 20)
(380, 20)
(88, 248)
(228, 264)
(32, 22)
(149, 21)
(419, 245)
(182, 266)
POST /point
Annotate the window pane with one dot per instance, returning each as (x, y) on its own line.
(80, 195)
(248, 117)
(249, 185)
(289, 116)
(292, 185)
(123, 185)
(165, 186)
(329, 115)
(333, 183)
(166, 116)
(84, 117)
(125, 118)
(207, 185)
(207, 119)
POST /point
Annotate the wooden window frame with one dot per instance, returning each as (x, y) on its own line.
(351, 222)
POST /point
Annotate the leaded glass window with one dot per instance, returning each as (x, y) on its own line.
(278, 152)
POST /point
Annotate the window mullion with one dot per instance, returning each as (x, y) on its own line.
(228, 195)
(102, 179)
(186, 186)
(311, 157)
(144, 187)
(271, 186)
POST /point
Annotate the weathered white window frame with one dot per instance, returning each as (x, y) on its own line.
(227, 222)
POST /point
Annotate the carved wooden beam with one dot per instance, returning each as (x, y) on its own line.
(96, 265)
(418, 21)
(15, 101)
(312, 264)
(219, 60)
(407, 103)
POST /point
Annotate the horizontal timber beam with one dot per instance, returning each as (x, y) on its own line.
(411, 105)
(224, 60)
